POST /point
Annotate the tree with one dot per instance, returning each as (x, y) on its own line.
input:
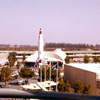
(6, 73)
(54, 73)
(68, 87)
(18, 65)
(96, 59)
(87, 89)
(43, 72)
(61, 86)
(26, 73)
(12, 58)
(78, 88)
(86, 59)
(64, 86)
(67, 59)
(24, 57)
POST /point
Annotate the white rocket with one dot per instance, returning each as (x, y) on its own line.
(40, 46)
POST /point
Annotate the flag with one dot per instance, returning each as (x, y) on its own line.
(55, 67)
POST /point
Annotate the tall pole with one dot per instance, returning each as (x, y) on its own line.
(40, 51)
(50, 77)
(40, 73)
(57, 78)
(40, 45)
(45, 72)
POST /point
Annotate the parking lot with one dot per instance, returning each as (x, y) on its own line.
(15, 85)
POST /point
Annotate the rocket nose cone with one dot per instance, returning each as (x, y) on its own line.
(40, 31)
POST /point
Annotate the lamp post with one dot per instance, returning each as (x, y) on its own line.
(57, 77)
(50, 77)
(45, 74)
(40, 71)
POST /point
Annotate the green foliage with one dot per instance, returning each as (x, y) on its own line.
(78, 88)
(67, 59)
(87, 89)
(6, 63)
(18, 68)
(53, 73)
(43, 72)
(12, 58)
(18, 65)
(64, 86)
(86, 59)
(61, 86)
(96, 59)
(26, 73)
(6, 74)
(68, 87)
(24, 56)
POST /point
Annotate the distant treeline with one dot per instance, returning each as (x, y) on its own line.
(18, 47)
(50, 46)
(70, 46)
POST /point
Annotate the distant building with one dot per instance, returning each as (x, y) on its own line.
(3, 57)
(78, 56)
(86, 73)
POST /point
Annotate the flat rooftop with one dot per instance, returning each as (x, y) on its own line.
(92, 67)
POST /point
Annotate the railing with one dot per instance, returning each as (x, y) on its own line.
(12, 93)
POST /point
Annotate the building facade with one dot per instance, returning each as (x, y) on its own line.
(72, 73)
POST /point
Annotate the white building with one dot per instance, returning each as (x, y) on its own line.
(46, 56)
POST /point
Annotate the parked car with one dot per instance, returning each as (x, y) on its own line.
(15, 74)
(21, 82)
(2, 86)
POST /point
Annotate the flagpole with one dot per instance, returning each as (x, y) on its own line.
(45, 72)
(50, 77)
(40, 73)
(56, 77)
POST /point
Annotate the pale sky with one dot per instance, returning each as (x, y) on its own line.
(69, 21)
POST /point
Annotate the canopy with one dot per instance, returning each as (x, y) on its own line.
(54, 56)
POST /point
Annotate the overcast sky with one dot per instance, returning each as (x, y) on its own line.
(69, 21)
